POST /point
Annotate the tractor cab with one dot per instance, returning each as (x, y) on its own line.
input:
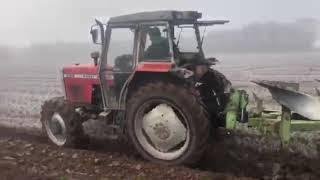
(148, 42)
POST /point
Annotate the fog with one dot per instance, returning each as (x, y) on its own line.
(299, 35)
(46, 32)
(46, 21)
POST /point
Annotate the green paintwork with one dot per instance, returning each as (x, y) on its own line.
(274, 123)
(244, 100)
(284, 130)
(232, 109)
(238, 102)
(265, 126)
(271, 126)
(301, 125)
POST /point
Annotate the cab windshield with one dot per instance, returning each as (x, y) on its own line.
(186, 40)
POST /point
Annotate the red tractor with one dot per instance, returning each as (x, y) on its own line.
(152, 84)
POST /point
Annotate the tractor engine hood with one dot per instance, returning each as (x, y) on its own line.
(88, 71)
(79, 81)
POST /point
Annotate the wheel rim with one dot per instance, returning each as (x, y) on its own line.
(56, 129)
(162, 130)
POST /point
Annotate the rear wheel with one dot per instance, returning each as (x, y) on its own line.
(62, 124)
(167, 124)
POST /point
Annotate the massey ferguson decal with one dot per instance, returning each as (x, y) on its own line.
(81, 76)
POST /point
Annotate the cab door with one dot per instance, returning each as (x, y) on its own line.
(118, 64)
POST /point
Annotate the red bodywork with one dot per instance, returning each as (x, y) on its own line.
(154, 67)
(79, 79)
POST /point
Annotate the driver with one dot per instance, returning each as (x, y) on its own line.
(159, 48)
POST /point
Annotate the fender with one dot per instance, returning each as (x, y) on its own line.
(154, 67)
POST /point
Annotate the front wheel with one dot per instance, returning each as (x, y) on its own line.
(62, 124)
(167, 124)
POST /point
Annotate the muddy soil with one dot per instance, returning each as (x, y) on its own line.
(257, 156)
(28, 155)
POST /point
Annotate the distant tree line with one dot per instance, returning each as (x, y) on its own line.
(300, 35)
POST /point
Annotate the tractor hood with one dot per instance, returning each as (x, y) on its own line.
(80, 70)
(80, 81)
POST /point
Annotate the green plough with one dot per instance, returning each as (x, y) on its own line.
(299, 111)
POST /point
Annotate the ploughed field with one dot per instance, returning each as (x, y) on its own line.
(25, 86)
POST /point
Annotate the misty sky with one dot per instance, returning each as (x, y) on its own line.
(25, 22)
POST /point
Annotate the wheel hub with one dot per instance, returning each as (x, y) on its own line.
(161, 131)
(163, 128)
(56, 129)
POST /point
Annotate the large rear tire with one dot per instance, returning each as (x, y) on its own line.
(62, 124)
(167, 124)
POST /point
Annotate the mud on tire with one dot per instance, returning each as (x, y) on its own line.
(184, 101)
(74, 134)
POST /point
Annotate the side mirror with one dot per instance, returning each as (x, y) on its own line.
(96, 34)
(95, 56)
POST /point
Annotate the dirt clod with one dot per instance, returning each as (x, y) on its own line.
(138, 167)
(27, 145)
(8, 158)
(97, 161)
(114, 163)
(74, 156)
(276, 168)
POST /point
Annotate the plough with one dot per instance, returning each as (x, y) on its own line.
(299, 111)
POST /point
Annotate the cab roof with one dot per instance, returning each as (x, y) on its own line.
(171, 16)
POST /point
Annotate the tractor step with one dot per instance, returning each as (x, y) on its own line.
(104, 115)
